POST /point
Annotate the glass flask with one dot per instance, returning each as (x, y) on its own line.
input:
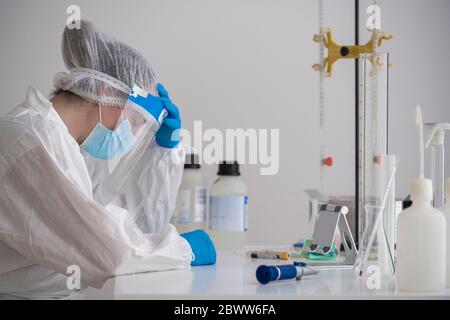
(374, 254)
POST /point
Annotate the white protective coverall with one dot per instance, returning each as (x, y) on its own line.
(56, 213)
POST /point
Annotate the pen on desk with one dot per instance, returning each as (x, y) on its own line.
(270, 255)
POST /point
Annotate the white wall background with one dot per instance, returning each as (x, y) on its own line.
(421, 74)
(247, 64)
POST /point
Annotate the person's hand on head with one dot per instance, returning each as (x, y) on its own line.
(168, 135)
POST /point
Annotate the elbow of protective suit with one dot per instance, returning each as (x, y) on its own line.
(98, 284)
(103, 273)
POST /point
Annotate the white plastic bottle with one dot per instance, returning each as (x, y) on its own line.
(228, 214)
(446, 211)
(190, 210)
(421, 243)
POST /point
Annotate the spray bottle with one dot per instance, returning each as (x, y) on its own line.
(421, 244)
(436, 141)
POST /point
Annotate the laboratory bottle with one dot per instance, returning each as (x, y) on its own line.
(446, 211)
(190, 209)
(421, 242)
(436, 142)
(228, 202)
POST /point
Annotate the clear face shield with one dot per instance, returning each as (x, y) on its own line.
(141, 117)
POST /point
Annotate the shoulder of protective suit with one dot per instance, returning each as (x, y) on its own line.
(30, 124)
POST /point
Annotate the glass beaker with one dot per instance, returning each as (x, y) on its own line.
(374, 254)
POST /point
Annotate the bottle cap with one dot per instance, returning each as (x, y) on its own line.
(192, 161)
(227, 168)
(421, 188)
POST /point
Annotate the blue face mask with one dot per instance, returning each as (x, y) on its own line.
(103, 143)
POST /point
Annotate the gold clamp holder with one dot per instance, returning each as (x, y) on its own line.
(337, 52)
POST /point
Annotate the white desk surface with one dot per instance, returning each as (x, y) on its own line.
(233, 277)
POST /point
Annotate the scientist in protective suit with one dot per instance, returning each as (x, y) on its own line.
(87, 182)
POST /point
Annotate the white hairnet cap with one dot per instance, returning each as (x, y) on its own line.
(102, 69)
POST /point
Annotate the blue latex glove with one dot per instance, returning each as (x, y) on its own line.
(168, 135)
(202, 247)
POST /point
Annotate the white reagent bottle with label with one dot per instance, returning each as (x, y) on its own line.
(446, 211)
(421, 242)
(190, 210)
(228, 214)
